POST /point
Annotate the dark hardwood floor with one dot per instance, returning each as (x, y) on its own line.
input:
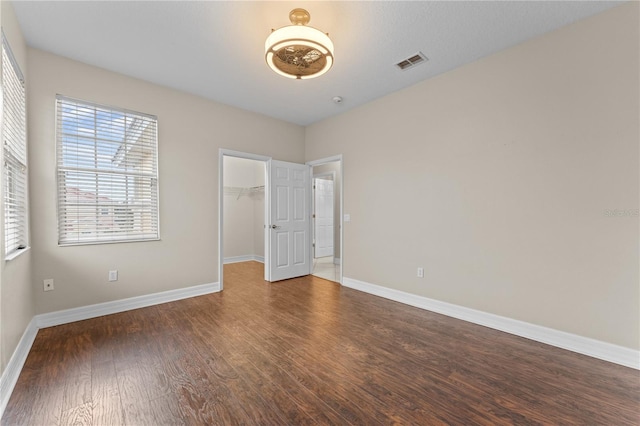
(306, 351)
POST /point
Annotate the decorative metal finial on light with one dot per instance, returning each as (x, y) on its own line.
(297, 51)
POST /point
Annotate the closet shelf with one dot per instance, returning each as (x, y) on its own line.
(242, 190)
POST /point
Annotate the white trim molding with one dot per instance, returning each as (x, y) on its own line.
(245, 258)
(572, 342)
(14, 367)
(92, 311)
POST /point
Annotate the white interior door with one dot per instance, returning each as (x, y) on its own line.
(289, 227)
(323, 217)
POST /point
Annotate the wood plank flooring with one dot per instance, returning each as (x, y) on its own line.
(306, 351)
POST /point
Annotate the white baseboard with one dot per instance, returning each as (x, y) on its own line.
(92, 311)
(14, 367)
(572, 342)
(246, 258)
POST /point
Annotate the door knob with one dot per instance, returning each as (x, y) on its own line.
(275, 227)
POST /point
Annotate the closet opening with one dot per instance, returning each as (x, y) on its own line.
(242, 209)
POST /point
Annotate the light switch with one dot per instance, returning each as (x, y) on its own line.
(347, 217)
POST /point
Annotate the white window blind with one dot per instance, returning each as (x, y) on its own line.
(14, 143)
(107, 174)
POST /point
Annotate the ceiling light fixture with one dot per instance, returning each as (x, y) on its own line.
(297, 51)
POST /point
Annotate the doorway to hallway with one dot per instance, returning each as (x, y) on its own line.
(326, 249)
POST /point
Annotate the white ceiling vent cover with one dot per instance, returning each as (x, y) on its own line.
(412, 61)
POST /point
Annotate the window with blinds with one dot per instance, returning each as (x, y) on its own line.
(107, 174)
(14, 153)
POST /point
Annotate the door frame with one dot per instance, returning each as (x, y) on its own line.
(267, 160)
(320, 162)
(313, 207)
(230, 153)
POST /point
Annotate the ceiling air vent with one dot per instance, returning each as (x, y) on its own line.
(411, 62)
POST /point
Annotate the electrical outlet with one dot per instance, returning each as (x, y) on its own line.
(48, 284)
(420, 273)
(113, 275)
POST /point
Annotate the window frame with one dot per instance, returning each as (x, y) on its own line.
(11, 156)
(100, 208)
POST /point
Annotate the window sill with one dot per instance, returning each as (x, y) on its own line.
(93, 243)
(16, 253)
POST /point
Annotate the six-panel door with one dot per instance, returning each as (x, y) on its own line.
(290, 220)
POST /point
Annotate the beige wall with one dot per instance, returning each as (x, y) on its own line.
(16, 293)
(244, 212)
(499, 179)
(191, 131)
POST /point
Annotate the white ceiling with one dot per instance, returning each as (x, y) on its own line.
(215, 49)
